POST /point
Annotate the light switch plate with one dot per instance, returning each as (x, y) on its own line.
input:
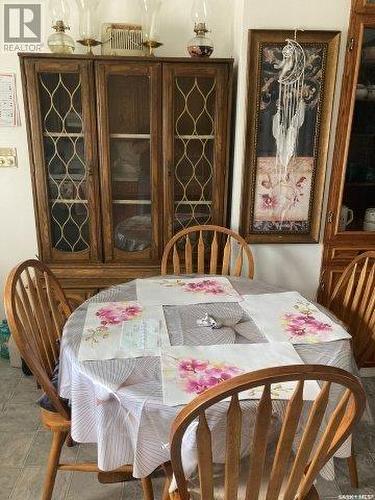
(8, 157)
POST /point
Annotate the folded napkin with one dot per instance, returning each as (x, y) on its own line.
(184, 330)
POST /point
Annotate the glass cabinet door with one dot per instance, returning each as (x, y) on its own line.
(358, 199)
(364, 6)
(66, 185)
(128, 110)
(195, 156)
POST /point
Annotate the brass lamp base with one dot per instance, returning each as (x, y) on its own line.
(151, 45)
(89, 43)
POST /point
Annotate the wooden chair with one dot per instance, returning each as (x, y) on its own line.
(353, 302)
(291, 474)
(37, 309)
(172, 249)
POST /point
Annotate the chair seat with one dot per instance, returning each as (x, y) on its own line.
(55, 421)
(219, 482)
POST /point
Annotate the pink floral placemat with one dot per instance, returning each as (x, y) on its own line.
(290, 317)
(122, 330)
(190, 370)
(159, 291)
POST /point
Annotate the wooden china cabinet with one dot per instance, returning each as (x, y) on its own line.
(348, 230)
(124, 152)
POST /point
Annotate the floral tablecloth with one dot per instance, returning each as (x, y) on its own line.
(118, 403)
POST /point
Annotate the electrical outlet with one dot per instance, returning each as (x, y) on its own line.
(8, 157)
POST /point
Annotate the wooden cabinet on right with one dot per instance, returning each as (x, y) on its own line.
(350, 224)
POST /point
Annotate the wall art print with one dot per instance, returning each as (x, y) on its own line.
(290, 92)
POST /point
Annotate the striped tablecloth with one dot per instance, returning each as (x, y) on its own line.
(118, 403)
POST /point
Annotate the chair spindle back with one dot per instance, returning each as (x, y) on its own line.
(353, 302)
(294, 472)
(197, 252)
(37, 309)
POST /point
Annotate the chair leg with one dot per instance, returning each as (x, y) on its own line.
(353, 472)
(168, 478)
(312, 494)
(69, 441)
(165, 494)
(148, 492)
(53, 461)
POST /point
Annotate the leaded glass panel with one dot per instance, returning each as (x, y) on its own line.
(193, 150)
(64, 152)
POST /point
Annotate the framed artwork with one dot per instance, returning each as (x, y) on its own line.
(291, 85)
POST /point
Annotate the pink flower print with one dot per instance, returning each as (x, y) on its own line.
(318, 325)
(269, 202)
(197, 375)
(233, 370)
(300, 182)
(208, 286)
(214, 372)
(195, 386)
(116, 313)
(192, 365)
(299, 325)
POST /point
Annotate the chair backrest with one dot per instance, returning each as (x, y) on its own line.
(37, 309)
(353, 302)
(194, 237)
(296, 472)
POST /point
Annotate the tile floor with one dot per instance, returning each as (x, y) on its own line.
(24, 447)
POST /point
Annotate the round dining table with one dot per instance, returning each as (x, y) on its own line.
(118, 403)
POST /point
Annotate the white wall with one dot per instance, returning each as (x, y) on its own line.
(292, 266)
(296, 266)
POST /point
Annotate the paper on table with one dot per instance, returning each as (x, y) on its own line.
(189, 370)
(122, 330)
(290, 317)
(182, 291)
(140, 335)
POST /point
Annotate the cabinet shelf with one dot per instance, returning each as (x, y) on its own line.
(118, 178)
(193, 202)
(67, 201)
(195, 137)
(130, 136)
(68, 177)
(62, 134)
(131, 202)
(360, 184)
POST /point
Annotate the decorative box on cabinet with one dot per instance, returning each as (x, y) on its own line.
(124, 152)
